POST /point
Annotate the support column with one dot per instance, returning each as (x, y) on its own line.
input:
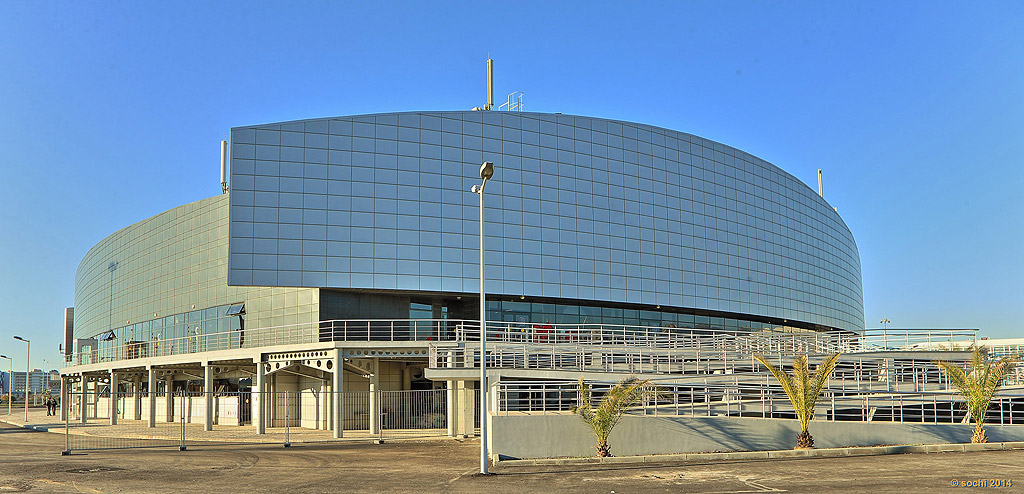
(467, 411)
(453, 416)
(256, 398)
(113, 397)
(453, 399)
(137, 395)
(374, 397)
(337, 390)
(169, 393)
(83, 398)
(63, 397)
(151, 384)
(208, 394)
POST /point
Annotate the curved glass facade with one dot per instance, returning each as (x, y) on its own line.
(580, 208)
(166, 277)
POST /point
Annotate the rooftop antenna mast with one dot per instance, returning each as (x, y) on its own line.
(490, 88)
(821, 190)
(223, 167)
(515, 100)
(490, 84)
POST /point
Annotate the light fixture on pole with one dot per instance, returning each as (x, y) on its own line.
(45, 381)
(10, 384)
(28, 368)
(486, 172)
(885, 324)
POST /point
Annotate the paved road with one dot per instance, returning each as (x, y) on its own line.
(30, 462)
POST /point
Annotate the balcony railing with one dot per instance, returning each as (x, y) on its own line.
(411, 330)
(763, 400)
(456, 330)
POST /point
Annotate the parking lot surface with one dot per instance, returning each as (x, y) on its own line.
(30, 462)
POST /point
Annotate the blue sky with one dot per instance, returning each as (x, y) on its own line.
(113, 112)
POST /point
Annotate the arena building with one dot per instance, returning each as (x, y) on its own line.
(343, 256)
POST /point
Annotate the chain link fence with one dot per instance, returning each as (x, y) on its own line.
(103, 420)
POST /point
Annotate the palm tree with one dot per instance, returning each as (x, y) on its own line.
(977, 385)
(616, 401)
(803, 390)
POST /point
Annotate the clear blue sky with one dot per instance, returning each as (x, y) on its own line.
(113, 112)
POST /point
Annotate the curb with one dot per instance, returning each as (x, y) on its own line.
(767, 455)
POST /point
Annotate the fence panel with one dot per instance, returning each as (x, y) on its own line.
(418, 413)
(89, 425)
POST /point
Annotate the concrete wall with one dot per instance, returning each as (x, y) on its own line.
(551, 436)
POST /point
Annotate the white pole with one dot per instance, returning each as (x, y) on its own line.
(10, 385)
(28, 355)
(486, 172)
(483, 347)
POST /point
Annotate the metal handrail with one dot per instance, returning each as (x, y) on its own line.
(764, 399)
(456, 330)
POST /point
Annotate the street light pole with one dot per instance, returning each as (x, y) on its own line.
(28, 368)
(10, 384)
(486, 172)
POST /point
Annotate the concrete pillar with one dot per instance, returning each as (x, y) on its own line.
(208, 394)
(452, 406)
(83, 398)
(169, 395)
(375, 396)
(151, 384)
(337, 388)
(113, 397)
(137, 395)
(256, 398)
(63, 397)
(466, 408)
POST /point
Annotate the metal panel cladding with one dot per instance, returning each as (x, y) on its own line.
(580, 208)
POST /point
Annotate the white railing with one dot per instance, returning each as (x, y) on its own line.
(412, 330)
(763, 400)
(743, 342)
(853, 373)
(918, 339)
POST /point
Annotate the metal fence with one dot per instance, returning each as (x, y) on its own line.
(766, 340)
(99, 420)
(765, 400)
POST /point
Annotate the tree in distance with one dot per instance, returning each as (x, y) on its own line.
(803, 390)
(977, 384)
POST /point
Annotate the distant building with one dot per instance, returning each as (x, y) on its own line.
(39, 381)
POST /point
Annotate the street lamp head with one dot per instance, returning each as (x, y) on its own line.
(20, 338)
(5, 356)
(487, 170)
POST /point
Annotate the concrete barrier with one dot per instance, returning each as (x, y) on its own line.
(564, 435)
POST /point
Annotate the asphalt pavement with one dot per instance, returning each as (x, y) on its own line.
(30, 461)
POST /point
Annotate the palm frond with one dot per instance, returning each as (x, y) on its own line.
(979, 381)
(802, 388)
(603, 417)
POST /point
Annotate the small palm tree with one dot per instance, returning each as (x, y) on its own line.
(616, 401)
(978, 384)
(803, 389)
